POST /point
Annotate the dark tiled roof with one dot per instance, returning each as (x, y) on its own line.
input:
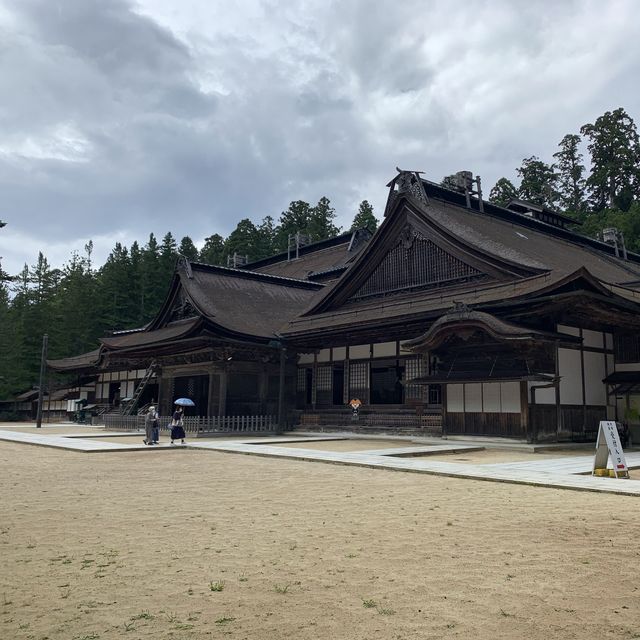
(323, 257)
(244, 302)
(172, 331)
(82, 361)
(536, 246)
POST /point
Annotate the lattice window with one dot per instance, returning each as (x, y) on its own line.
(324, 393)
(416, 262)
(414, 367)
(627, 347)
(359, 381)
(301, 380)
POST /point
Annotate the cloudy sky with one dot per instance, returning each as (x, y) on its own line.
(122, 117)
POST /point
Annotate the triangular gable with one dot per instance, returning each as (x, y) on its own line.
(417, 262)
(411, 252)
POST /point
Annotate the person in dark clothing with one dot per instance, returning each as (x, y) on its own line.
(150, 421)
(177, 428)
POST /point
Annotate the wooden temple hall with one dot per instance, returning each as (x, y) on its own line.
(457, 317)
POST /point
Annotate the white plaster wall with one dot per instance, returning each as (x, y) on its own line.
(510, 397)
(592, 338)
(324, 355)
(573, 331)
(543, 396)
(384, 349)
(594, 372)
(628, 366)
(571, 377)
(608, 341)
(473, 397)
(491, 397)
(359, 351)
(455, 398)
(305, 358)
(339, 353)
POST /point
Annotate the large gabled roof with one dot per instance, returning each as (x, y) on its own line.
(500, 242)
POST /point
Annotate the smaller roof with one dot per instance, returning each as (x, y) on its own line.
(464, 321)
(79, 362)
(624, 381)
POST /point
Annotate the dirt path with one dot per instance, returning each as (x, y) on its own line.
(211, 545)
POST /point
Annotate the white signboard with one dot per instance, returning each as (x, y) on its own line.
(608, 444)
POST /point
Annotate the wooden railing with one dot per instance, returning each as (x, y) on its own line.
(429, 420)
(199, 424)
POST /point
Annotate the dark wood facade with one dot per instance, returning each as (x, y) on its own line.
(456, 317)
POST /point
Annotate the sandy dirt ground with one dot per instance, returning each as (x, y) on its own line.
(201, 544)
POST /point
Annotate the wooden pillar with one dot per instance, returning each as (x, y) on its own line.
(263, 386)
(345, 387)
(443, 401)
(283, 362)
(529, 429)
(222, 398)
(584, 389)
(557, 388)
(314, 381)
(214, 391)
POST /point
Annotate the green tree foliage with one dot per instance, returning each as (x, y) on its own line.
(615, 155)
(295, 219)
(242, 240)
(318, 223)
(321, 224)
(570, 172)
(538, 182)
(365, 219)
(213, 250)
(188, 249)
(503, 191)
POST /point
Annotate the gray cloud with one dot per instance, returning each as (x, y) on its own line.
(118, 119)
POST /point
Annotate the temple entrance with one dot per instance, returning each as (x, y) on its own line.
(386, 383)
(197, 389)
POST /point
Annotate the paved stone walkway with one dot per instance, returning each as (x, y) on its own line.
(551, 472)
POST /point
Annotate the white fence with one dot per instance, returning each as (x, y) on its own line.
(199, 424)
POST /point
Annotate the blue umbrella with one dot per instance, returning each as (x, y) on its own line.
(185, 402)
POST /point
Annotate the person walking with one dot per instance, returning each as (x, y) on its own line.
(149, 421)
(177, 428)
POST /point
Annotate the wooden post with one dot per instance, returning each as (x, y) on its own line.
(222, 401)
(43, 365)
(283, 362)
(584, 386)
(529, 429)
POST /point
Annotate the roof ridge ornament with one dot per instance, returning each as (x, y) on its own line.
(184, 262)
(460, 307)
(406, 183)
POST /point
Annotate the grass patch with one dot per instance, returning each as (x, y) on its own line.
(224, 620)
(143, 615)
(369, 604)
(218, 585)
(281, 588)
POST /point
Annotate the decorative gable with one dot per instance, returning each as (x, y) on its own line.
(182, 308)
(416, 262)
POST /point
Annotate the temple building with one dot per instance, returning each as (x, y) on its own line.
(457, 317)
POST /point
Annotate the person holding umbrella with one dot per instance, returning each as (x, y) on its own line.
(177, 428)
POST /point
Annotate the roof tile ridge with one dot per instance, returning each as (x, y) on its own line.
(248, 272)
